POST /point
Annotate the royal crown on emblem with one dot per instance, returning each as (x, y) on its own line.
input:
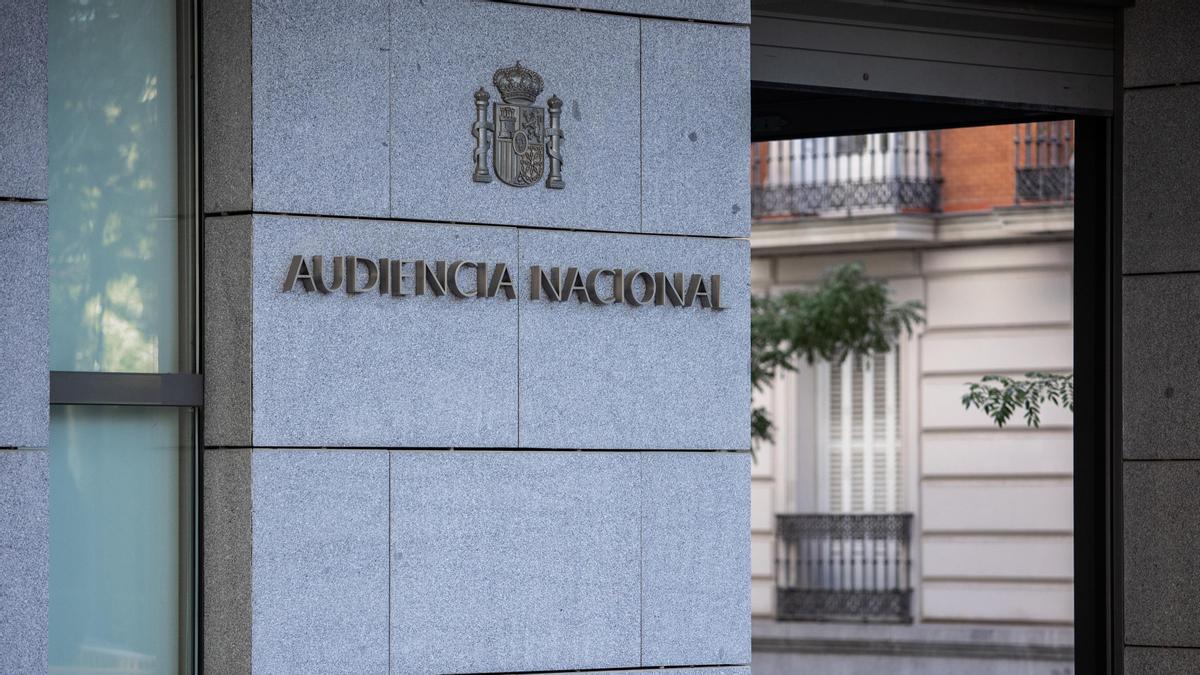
(517, 84)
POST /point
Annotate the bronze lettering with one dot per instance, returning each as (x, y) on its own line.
(714, 288)
(668, 291)
(553, 284)
(697, 289)
(298, 271)
(501, 279)
(452, 279)
(318, 273)
(435, 277)
(397, 277)
(573, 283)
(352, 263)
(540, 283)
(648, 292)
(594, 295)
(481, 280)
(384, 271)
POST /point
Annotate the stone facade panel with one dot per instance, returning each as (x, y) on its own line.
(695, 128)
(618, 376)
(23, 91)
(24, 560)
(695, 558)
(1160, 199)
(372, 369)
(320, 561)
(228, 331)
(1160, 372)
(444, 51)
(1160, 43)
(320, 106)
(226, 115)
(24, 325)
(1162, 553)
(510, 561)
(1161, 661)
(228, 528)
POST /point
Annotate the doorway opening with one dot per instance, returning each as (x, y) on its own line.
(890, 521)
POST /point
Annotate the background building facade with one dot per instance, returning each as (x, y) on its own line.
(974, 523)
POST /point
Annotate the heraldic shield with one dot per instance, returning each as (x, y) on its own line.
(520, 153)
(520, 138)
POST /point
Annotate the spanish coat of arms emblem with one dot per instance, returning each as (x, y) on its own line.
(521, 139)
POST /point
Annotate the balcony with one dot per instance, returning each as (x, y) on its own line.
(913, 189)
(1045, 163)
(843, 567)
(894, 172)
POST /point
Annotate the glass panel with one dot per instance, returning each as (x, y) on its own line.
(121, 529)
(113, 185)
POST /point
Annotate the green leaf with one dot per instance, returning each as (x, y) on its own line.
(999, 395)
(846, 314)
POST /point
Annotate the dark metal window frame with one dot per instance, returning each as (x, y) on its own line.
(1099, 622)
(137, 389)
(183, 390)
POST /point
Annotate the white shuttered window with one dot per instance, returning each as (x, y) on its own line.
(859, 435)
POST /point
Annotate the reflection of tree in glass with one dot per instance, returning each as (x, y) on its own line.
(114, 584)
(846, 314)
(112, 185)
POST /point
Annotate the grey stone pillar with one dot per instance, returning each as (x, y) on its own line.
(24, 340)
(431, 484)
(1161, 371)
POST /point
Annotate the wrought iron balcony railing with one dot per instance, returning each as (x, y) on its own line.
(843, 567)
(1045, 162)
(846, 175)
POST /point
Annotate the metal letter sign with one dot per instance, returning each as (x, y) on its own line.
(519, 135)
(480, 279)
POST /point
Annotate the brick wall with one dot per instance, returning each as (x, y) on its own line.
(977, 168)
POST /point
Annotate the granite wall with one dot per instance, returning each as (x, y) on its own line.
(24, 340)
(1161, 306)
(428, 483)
